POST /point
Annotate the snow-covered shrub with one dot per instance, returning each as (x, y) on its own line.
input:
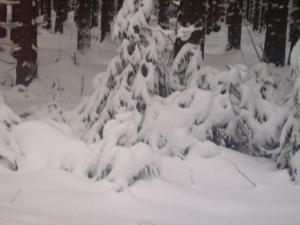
(118, 156)
(289, 156)
(8, 147)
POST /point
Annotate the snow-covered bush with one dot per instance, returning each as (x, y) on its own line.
(8, 147)
(289, 156)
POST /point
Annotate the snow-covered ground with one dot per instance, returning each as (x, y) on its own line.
(225, 187)
(194, 191)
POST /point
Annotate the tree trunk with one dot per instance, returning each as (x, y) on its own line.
(119, 4)
(234, 21)
(2, 19)
(248, 10)
(26, 69)
(256, 15)
(275, 41)
(192, 13)
(15, 35)
(46, 11)
(215, 13)
(163, 19)
(106, 17)
(84, 25)
(61, 7)
(95, 12)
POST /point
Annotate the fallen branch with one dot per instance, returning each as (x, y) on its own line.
(241, 172)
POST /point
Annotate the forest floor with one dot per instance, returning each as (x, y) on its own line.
(230, 188)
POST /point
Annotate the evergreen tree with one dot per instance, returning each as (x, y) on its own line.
(191, 13)
(234, 21)
(26, 56)
(275, 41)
(84, 25)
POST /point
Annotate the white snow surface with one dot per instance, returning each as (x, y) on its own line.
(194, 191)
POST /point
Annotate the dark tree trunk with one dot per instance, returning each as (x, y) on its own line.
(26, 69)
(234, 21)
(46, 11)
(294, 26)
(192, 13)
(119, 4)
(84, 25)
(15, 35)
(256, 15)
(106, 17)
(95, 12)
(2, 19)
(163, 19)
(248, 10)
(215, 13)
(275, 41)
(61, 7)
(251, 9)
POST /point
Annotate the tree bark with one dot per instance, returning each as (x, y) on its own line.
(192, 13)
(84, 25)
(275, 41)
(26, 69)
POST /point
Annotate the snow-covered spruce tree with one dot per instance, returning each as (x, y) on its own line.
(8, 148)
(112, 116)
(289, 156)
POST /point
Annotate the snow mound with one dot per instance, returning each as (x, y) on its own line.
(43, 145)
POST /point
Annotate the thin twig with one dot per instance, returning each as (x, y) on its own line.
(16, 195)
(242, 173)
